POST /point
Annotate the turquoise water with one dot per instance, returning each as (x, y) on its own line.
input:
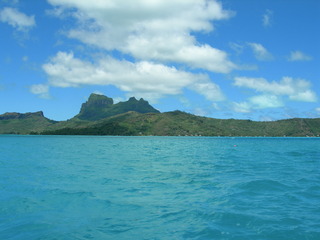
(73, 187)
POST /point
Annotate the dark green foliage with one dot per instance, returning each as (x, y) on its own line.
(99, 116)
(113, 129)
(183, 124)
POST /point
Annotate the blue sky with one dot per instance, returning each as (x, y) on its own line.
(245, 59)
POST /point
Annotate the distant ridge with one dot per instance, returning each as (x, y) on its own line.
(23, 123)
(15, 115)
(100, 116)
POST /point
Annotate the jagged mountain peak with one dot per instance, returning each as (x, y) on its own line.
(99, 100)
(99, 107)
(132, 99)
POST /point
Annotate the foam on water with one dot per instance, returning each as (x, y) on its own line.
(68, 187)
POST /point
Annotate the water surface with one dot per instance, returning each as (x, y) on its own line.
(76, 187)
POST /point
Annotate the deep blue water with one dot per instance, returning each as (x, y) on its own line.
(73, 187)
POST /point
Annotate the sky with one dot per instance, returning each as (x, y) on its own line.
(242, 59)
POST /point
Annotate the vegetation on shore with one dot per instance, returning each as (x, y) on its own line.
(99, 116)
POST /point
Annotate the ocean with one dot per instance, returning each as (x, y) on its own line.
(97, 187)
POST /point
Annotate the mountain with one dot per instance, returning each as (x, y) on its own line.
(100, 116)
(98, 107)
(11, 123)
(14, 115)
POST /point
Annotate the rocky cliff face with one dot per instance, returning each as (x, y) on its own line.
(96, 101)
(98, 107)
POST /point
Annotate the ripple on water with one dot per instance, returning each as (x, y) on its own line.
(263, 185)
(159, 188)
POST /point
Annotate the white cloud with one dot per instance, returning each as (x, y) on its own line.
(265, 101)
(42, 90)
(260, 52)
(143, 79)
(298, 56)
(242, 107)
(258, 102)
(98, 92)
(295, 89)
(150, 30)
(304, 96)
(318, 110)
(215, 106)
(238, 48)
(119, 99)
(203, 56)
(17, 19)
(267, 18)
(209, 90)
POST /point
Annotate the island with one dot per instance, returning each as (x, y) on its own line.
(101, 116)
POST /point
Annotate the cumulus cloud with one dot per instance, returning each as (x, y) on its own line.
(298, 56)
(17, 19)
(267, 18)
(209, 90)
(265, 101)
(143, 79)
(294, 89)
(260, 52)
(258, 102)
(242, 107)
(42, 90)
(150, 30)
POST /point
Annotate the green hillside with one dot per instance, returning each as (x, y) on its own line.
(17, 123)
(183, 124)
(100, 116)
